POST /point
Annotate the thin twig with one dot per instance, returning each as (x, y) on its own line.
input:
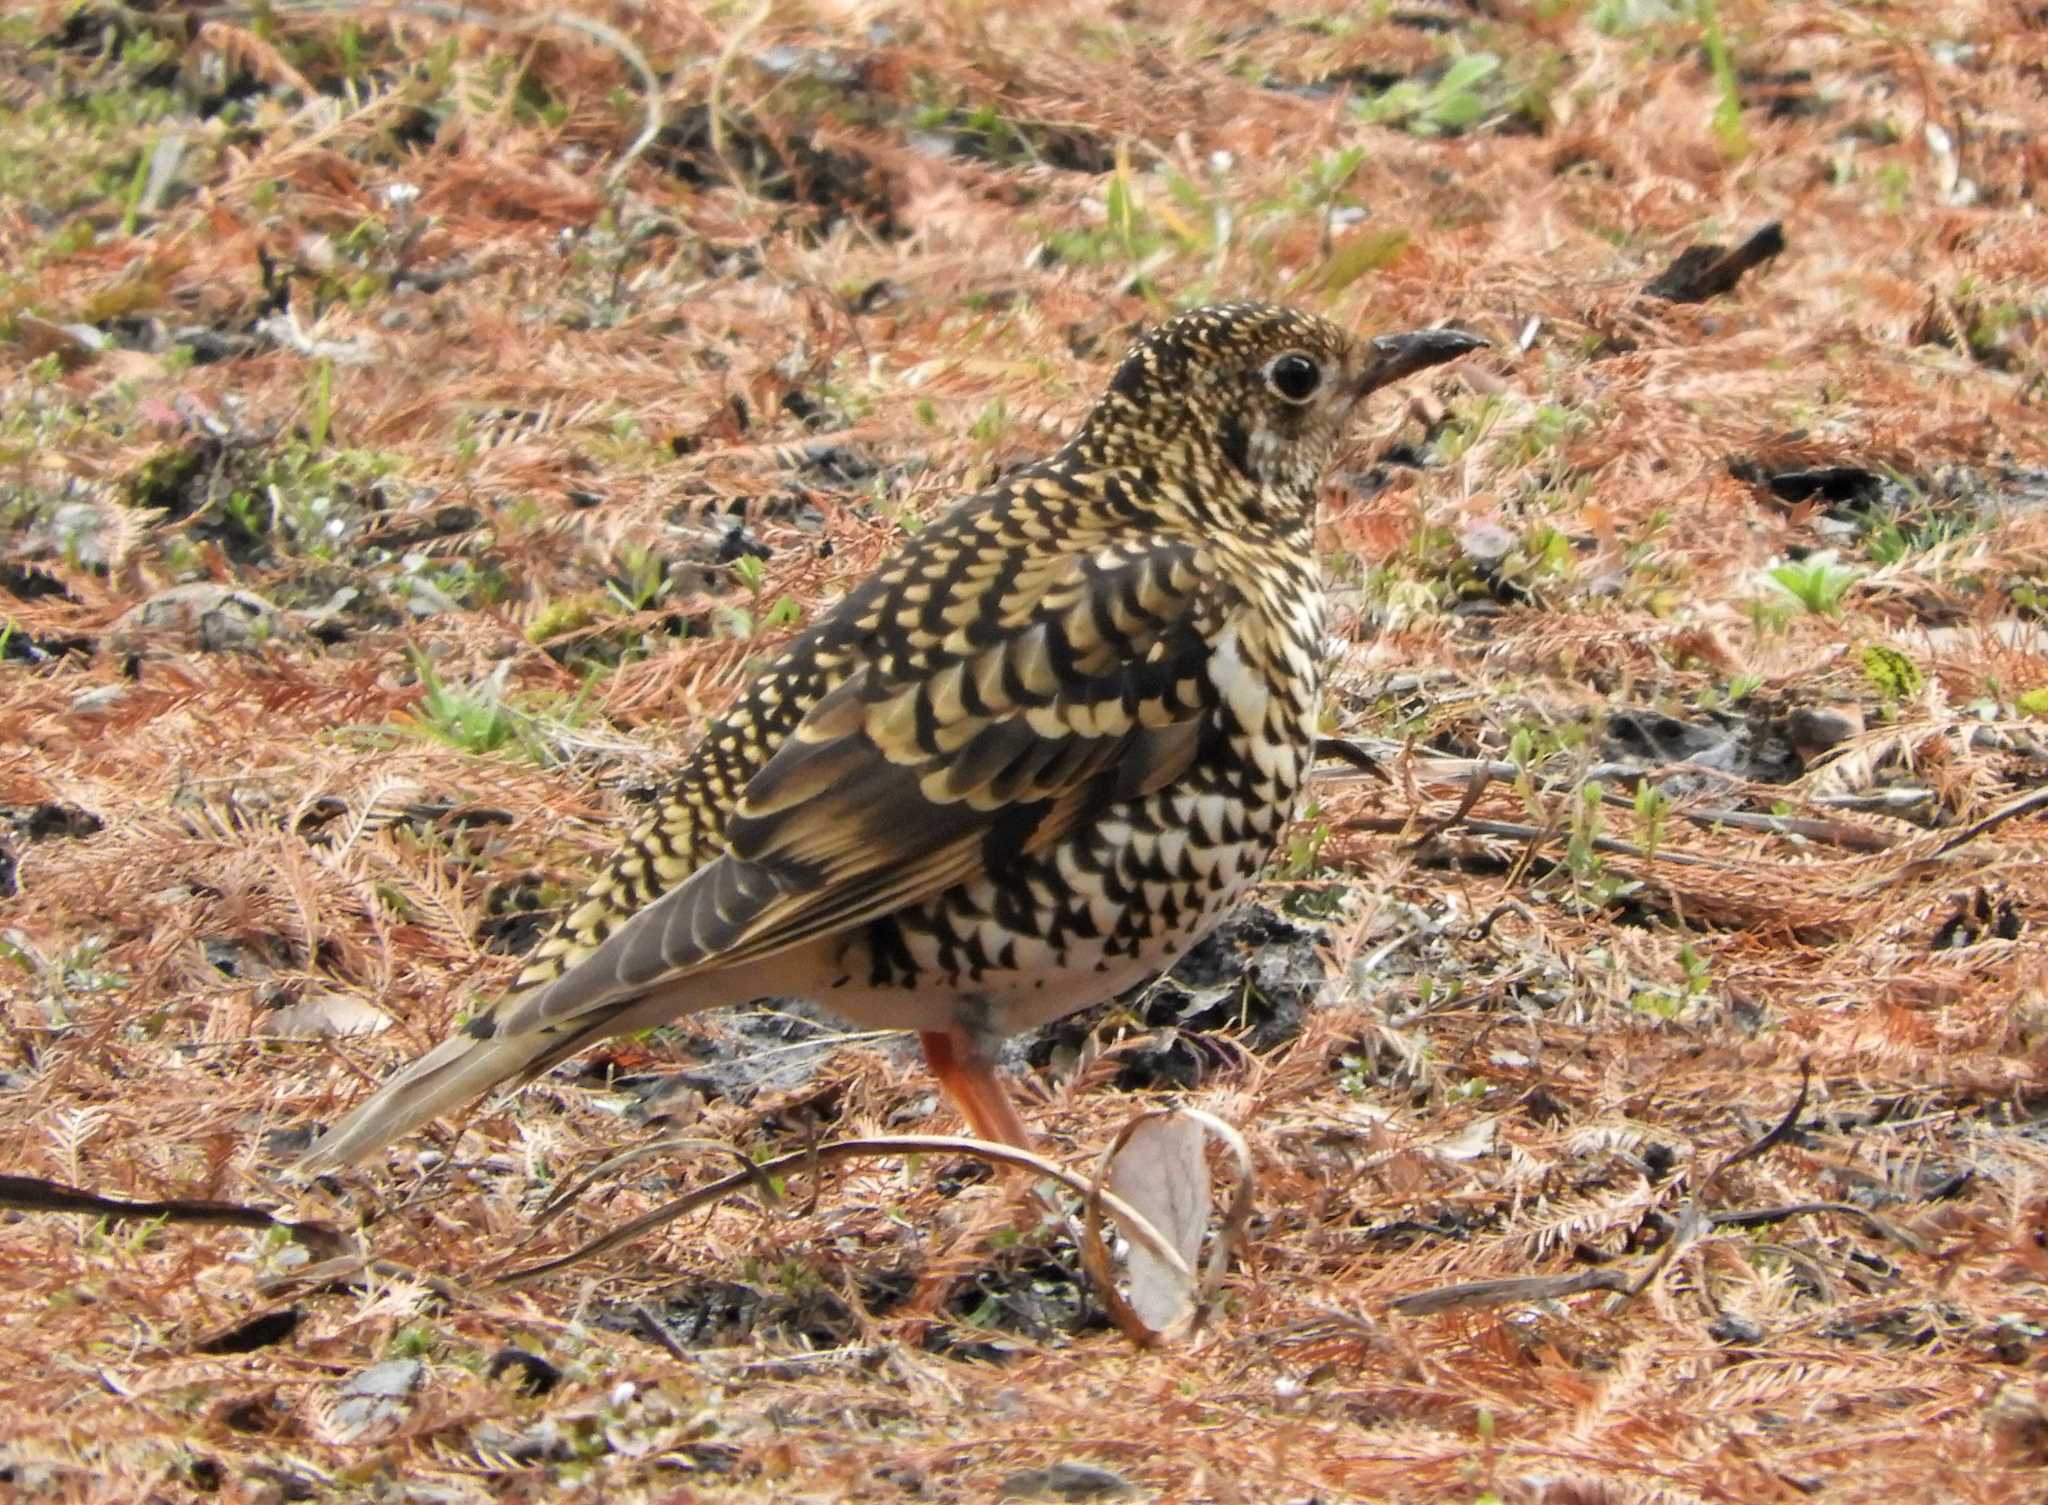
(1514, 1288)
(2025, 804)
(1770, 1139)
(34, 1194)
(1763, 1217)
(1693, 1221)
(1539, 835)
(1372, 757)
(1135, 1224)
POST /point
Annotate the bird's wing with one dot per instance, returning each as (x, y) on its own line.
(889, 791)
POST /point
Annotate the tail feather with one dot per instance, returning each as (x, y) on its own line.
(491, 1053)
(447, 1076)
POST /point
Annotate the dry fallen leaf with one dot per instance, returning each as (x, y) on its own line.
(1163, 1172)
(1169, 1172)
(323, 1015)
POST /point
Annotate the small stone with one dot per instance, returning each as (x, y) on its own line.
(1731, 1327)
(532, 1374)
(322, 1016)
(288, 1144)
(98, 699)
(1815, 730)
(1066, 1481)
(373, 1402)
(1486, 545)
(79, 530)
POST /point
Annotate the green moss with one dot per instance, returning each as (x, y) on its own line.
(571, 614)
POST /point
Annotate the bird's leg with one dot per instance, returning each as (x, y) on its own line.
(970, 1080)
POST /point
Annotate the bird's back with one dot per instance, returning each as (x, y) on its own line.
(1056, 538)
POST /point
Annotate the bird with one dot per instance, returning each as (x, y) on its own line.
(1020, 768)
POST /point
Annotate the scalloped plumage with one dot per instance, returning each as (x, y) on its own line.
(1023, 766)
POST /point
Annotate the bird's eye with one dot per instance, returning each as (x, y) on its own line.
(1294, 376)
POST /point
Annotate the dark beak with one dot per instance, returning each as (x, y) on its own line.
(1397, 355)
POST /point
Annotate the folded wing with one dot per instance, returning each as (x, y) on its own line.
(1084, 684)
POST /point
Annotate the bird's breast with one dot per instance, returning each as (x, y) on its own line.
(1124, 894)
(1267, 669)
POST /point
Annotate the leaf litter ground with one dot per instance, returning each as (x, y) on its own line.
(400, 462)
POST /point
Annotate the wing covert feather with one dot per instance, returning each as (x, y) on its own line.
(894, 787)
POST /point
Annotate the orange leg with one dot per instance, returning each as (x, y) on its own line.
(969, 1079)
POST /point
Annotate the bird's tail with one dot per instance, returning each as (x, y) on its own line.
(525, 1033)
(446, 1077)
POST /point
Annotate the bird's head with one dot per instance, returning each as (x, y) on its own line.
(1244, 404)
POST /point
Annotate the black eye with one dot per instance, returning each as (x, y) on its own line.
(1295, 376)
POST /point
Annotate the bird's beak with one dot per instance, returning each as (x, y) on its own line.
(1393, 356)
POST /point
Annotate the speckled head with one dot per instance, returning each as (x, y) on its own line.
(1250, 399)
